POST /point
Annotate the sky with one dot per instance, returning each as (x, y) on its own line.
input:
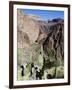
(45, 14)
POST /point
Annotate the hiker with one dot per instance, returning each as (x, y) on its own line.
(23, 67)
(32, 67)
(22, 71)
(38, 73)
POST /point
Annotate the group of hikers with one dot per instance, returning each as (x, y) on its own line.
(35, 72)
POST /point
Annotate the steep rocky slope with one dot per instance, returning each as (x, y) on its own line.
(28, 25)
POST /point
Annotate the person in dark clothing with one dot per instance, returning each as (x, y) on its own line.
(38, 74)
(22, 72)
(41, 73)
(32, 66)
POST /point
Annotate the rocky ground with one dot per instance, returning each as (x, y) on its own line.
(40, 48)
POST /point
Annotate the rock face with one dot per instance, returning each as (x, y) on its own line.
(28, 25)
(55, 40)
(37, 38)
(51, 36)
